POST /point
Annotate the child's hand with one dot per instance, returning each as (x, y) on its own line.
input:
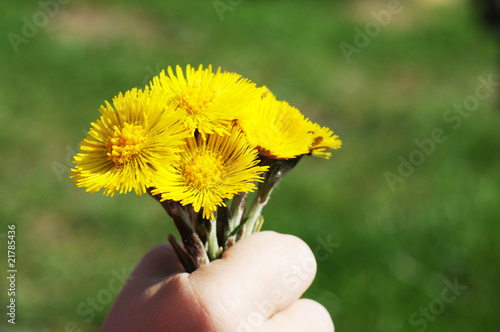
(255, 286)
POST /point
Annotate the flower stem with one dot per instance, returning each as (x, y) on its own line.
(212, 243)
(237, 211)
(259, 201)
(277, 169)
(186, 260)
(193, 246)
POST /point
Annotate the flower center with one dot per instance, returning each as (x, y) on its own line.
(125, 143)
(196, 100)
(203, 171)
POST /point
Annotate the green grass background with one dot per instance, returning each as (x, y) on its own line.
(394, 249)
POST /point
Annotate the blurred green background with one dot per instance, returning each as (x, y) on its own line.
(394, 245)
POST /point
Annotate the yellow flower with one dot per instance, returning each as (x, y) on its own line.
(211, 101)
(211, 170)
(323, 139)
(277, 129)
(265, 92)
(129, 144)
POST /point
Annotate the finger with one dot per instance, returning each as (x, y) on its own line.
(303, 315)
(141, 290)
(160, 262)
(257, 277)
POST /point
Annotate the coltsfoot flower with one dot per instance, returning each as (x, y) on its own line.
(211, 101)
(276, 129)
(324, 139)
(207, 171)
(132, 141)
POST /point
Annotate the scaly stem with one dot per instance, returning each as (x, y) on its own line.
(259, 201)
(191, 241)
(184, 258)
(237, 211)
(277, 169)
(212, 243)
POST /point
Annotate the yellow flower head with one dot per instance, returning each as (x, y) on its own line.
(211, 101)
(265, 92)
(277, 129)
(126, 147)
(211, 170)
(323, 139)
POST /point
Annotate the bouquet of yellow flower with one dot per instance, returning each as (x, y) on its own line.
(199, 143)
